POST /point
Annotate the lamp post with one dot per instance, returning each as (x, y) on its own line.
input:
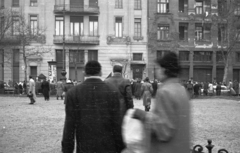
(63, 72)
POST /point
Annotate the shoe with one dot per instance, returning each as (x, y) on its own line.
(31, 103)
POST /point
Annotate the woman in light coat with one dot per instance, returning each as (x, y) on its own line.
(31, 90)
(167, 125)
(147, 91)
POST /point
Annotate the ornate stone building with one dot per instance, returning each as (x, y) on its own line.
(192, 29)
(109, 31)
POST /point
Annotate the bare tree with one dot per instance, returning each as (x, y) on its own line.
(229, 31)
(28, 38)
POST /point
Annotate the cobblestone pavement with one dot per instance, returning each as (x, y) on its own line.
(38, 128)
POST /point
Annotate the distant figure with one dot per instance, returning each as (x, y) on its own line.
(196, 89)
(45, 86)
(168, 122)
(24, 87)
(210, 89)
(67, 87)
(59, 88)
(146, 90)
(137, 89)
(93, 120)
(236, 87)
(124, 87)
(155, 87)
(205, 88)
(190, 88)
(218, 89)
(32, 91)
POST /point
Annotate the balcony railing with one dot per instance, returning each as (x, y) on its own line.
(69, 39)
(76, 9)
(111, 39)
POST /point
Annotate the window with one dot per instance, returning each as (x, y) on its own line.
(220, 56)
(137, 27)
(2, 25)
(162, 32)
(118, 27)
(199, 7)
(93, 23)
(15, 25)
(162, 6)
(202, 56)
(183, 31)
(237, 56)
(92, 55)
(1, 64)
(76, 56)
(33, 2)
(222, 32)
(137, 57)
(183, 55)
(76, 23)
(182, 5)
(137, 5)
(59, 56)
(222, 9)
(59, 25)
(34, 24)
(203, 32)
(2, 3)
(33, 72)
(118, 4)
(16, 56)
(161, 53)
(15, 3)
(237, 9)
(93, 3)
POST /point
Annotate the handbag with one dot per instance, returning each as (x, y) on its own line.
(133, 133)
(30, 95)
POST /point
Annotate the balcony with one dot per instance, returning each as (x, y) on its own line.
(203, 43)
(69, 9)
(111, 39)
(87, 40)
(10, 39)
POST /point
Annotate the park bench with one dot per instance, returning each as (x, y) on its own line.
(9, 90)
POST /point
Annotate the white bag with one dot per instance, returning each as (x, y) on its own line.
(133, 133)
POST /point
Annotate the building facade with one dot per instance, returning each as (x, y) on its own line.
(190, 28)
(108, 31)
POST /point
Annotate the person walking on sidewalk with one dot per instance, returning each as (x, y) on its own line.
(32, 92)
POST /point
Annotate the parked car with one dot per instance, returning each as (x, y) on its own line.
(224, 90)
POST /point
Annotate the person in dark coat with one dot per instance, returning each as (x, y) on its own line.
(137, 89)
(69, 84)
(124, 87)
(45, 86)
(196, 89)
(24, 87)
(218, 89)
(92, 115)
(155, 87)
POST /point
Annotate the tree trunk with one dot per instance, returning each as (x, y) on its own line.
(25, 63)
(226, 71)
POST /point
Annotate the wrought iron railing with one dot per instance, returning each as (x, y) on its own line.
(209, 146)
(72, 8)
(83, 39)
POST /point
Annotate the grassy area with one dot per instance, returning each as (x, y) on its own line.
(38, 128)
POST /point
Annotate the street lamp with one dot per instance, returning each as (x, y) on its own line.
(63, 72)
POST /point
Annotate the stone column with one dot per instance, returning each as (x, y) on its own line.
(85, 56)
(214, 68)
(191, 64)
(67, 62)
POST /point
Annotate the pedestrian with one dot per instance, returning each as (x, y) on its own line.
(92, 117)
(196, 89)
(124, 87)
(59, 88)
(154, 86)
(168, 124)
(67, 87)
(146, 90)
(210, 89)
(20, 87)
(236, 87)
(205, 88)
(190, 88)
(137, 89)
(24, 87)
(218, 89)
(32, 92)
(45, 87)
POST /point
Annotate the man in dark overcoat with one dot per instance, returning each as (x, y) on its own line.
(124, 87)
(92, 115)
(45, 86)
